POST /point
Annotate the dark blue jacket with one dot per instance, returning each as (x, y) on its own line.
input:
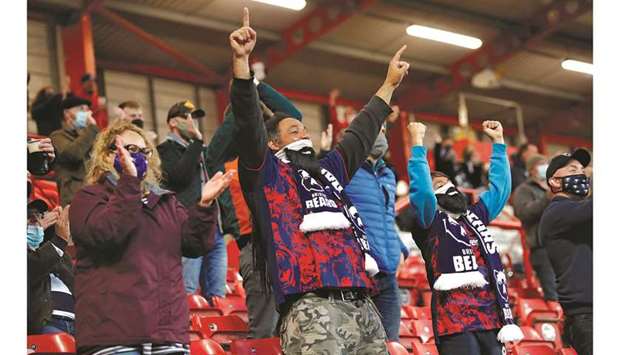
(373, 192)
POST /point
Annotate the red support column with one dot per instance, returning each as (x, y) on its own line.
(79, 56)
(398, 140)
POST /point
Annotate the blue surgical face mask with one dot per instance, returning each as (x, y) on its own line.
(542, 171)
(35, 235)
(81, 119)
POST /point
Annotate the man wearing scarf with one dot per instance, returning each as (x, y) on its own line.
(306, 230)
(470, 309)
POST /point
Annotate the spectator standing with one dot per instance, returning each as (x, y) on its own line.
(47, 111)
(470, 309)
(317, 253)
(132, 112)
(373, 192)
(469, 172)
(183, 156)
(73, 143)
(130, 235)
(518, 170)
(529, 202)
(566, 233)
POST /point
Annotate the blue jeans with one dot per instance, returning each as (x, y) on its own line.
(388, 303)
(59, 325)
(208, 271)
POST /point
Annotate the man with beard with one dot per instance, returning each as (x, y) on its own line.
(307, 234)
(566, 232)
(373, 192)
(470, 297)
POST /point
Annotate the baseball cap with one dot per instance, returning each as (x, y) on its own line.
(560, 161)
(181, 109)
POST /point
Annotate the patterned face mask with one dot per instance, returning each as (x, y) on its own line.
(578, 184)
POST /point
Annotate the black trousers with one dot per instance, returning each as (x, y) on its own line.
(483, 342)
(578, 329)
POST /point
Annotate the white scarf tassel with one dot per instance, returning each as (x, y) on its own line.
(508, 333)
(452, 281)
(324, 221)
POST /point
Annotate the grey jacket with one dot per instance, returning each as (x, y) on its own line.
(529, 202)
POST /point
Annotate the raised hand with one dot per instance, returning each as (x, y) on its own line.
(62, 226)
(417, 131)
(494, 130)
(192, 129)
(327, 137)
(243, 40)
(397, 69)
(50, 218)
(127, 164)
(215, 186)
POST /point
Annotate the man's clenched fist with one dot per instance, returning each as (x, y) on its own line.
(417, 131)
(494, 130)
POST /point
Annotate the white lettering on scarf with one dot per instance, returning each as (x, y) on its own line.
(489, 243)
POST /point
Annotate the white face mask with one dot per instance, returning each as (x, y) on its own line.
(296, 146)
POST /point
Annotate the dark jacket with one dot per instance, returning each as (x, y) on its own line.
(182, 172)
(566, 232)
(41, 262)
(518, 172)
(529, 201)
(72, 153)
(128, 280)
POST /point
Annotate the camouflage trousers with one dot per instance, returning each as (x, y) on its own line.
(316, 325)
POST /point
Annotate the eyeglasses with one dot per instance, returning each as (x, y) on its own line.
(132, 148)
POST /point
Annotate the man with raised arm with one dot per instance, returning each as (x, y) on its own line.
(307, 234)
(470, 309)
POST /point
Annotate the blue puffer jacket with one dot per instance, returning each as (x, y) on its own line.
(373, 192)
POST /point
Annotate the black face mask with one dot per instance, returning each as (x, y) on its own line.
(138, 123)
(305, 158)
(578, 184)
(452, 201)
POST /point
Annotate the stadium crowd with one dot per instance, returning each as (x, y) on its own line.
(133, 259)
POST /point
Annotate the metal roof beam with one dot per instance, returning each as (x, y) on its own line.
(496, 51)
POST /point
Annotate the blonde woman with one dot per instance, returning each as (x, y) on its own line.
(130, 235)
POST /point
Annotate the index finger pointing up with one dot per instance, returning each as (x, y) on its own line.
(399, 53)
(246, 17)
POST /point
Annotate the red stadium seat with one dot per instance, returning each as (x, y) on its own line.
(546, 320)
(423, 330)
(567, 351)
(222, 329)
(269, 346)
(406, 336)
(232, 305)
(531, 336)
(411, 312)
(395, 348)
(59, 343)
(531, 349)
(205, 347)
(420, 348)
(199, 306)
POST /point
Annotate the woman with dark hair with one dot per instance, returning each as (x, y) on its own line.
(130, 235)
